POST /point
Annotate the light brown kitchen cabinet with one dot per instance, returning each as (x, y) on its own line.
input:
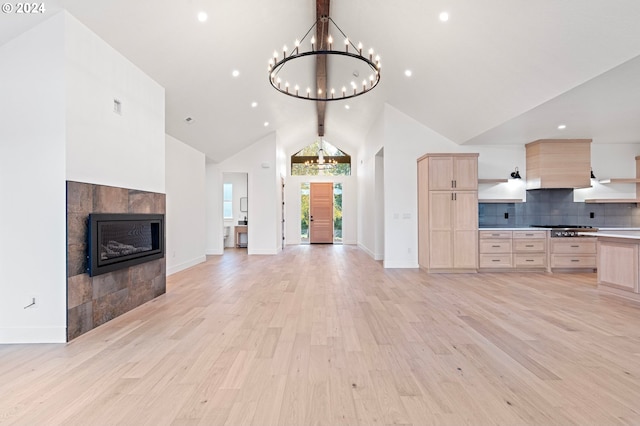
(458, 172)
(573, 253)
(448, 212)
(530, 249)
(506, 250)
(495, 250)
(618, 264)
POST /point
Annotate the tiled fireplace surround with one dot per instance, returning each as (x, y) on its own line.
(92, 301)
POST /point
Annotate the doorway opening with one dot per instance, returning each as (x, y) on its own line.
(321, 213)
(235, 210)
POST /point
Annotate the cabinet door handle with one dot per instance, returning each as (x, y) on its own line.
(452, 196)
(528, 260)
(529, 235)
(455, 197)
(455, 183)
(452, 185)
(496, 246)
(575, 260)
(495, 260)
(529, 245)
(495, 235)
(575, 246)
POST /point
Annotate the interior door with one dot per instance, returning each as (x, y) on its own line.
(321, 213)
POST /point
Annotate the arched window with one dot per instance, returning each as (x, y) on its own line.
(320, 158)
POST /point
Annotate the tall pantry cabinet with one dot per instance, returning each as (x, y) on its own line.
(448, 212)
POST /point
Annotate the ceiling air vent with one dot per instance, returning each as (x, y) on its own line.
(188, 120)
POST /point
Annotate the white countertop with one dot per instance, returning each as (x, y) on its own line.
(513, 228)
(617, 233)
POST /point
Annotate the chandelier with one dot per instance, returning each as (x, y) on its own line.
(325, 48)
(321, 163)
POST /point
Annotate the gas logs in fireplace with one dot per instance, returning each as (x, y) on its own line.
(118, 241)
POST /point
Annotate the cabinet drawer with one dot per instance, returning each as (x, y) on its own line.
(495, 246)
(529, 234)
(577, 247)
(526, 245)
(577, 261)
(535, 260)
(495, 261)
(495, 234)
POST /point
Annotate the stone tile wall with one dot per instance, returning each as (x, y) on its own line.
(92, 301)
(556, 207)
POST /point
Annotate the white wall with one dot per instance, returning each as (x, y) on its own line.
(32, 186)
(405, 141)
(58, 81)
(282, 209)
(103, 147)
(498, 162)
(611, 161)
(367, 206)
(378, 213)
(185, 215)
(239, 190)
(259, 162)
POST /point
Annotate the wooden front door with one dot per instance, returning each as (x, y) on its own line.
(321, 213)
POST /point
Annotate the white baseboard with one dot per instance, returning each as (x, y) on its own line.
(370, 253)
(184, 265)
(213, 252)
(405, 264)
(33, 335)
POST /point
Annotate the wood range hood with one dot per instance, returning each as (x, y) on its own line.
(558, 163)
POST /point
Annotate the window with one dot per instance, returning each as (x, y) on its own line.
(309, 162)
(227, 200)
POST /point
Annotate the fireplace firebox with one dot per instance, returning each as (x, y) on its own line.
(118, 241)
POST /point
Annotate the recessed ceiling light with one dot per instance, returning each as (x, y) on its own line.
(254, 104)
(235, 73)
(444, 16)
(562, 126)
(202, 16)
(266, 124)
(347, 107)
(408, 73)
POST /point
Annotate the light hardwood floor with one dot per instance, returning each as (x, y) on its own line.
(325, 335)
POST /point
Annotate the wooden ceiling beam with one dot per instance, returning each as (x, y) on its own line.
(322, 32)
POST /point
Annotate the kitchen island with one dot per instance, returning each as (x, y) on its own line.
(618, 262)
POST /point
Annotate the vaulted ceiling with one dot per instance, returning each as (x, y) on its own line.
(497, 72)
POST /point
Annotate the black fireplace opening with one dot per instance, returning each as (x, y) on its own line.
(118, 241)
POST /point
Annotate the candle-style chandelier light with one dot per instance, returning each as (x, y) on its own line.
(321, 163)
(350, 85)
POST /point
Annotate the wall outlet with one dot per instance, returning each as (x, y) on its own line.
(592, 215)
(506, 215)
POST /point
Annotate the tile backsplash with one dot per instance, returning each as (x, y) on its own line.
(556, 207)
